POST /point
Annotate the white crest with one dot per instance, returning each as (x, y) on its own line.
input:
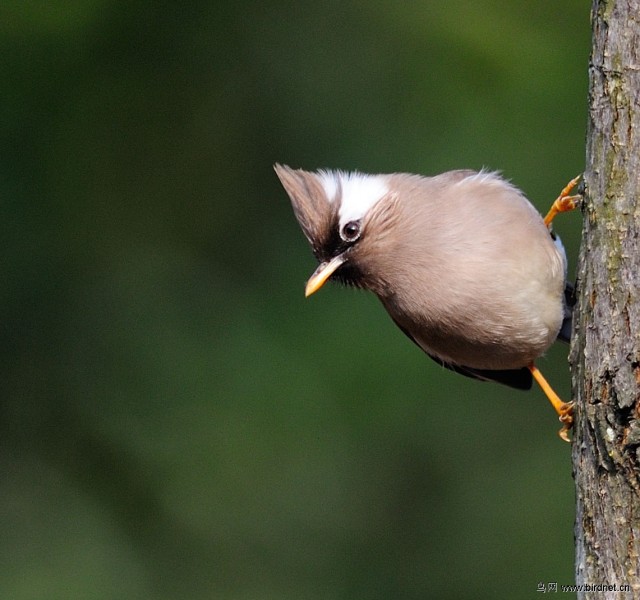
(359, 192)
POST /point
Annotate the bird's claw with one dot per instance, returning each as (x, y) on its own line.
(566, 418)
(564, 202)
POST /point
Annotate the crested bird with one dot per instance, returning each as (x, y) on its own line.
(463, 263)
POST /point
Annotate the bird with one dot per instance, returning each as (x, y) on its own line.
(462, 262)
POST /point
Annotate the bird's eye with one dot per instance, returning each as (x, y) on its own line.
(350, 231)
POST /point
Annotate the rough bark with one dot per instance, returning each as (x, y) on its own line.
(605, 353)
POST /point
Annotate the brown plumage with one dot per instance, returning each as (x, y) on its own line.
(462, 262)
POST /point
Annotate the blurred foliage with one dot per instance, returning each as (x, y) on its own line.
(176, 421)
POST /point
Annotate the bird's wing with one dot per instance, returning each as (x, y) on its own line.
(520, 379)
(564, 335)
(516, 378)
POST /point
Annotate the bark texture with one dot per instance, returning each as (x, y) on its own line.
(606, 346)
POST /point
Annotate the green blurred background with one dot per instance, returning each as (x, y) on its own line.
(176, 420)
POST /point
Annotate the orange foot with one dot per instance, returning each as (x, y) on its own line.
(565, 416)
(564, 409)
(564, 202)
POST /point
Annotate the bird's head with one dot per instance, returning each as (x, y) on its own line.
(349, 220)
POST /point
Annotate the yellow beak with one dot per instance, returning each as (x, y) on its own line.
(321, 274)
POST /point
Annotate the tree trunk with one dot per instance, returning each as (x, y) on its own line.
(605, 353)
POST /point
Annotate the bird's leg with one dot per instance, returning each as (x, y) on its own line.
(564, 409)
(564, 202)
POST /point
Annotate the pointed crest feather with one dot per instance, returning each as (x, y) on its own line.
(309, 200)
